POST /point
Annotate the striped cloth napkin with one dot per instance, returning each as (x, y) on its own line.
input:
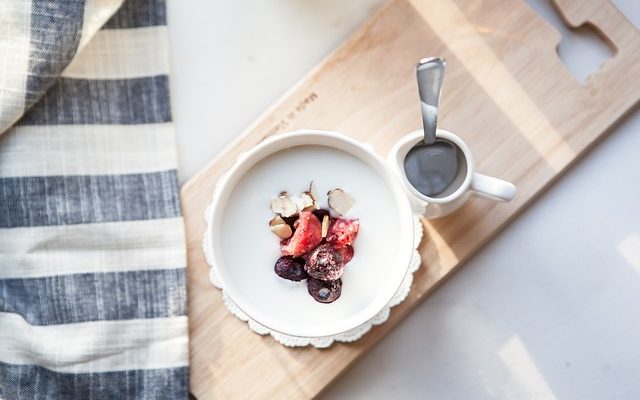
(92, 247)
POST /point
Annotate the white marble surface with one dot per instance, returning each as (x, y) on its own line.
(548, 310)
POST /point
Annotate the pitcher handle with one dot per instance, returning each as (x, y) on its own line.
(492, 188)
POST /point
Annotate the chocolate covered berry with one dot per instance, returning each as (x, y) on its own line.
(324, 291)
(290, 268)
(325, 263)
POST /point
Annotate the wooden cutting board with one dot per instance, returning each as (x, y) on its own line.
(506, 93)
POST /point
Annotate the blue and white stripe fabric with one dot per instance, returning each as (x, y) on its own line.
(92, 246)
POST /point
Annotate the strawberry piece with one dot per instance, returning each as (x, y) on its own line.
(307, 236)
(343, 232)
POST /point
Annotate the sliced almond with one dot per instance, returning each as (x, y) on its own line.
(313, 190)
(340, 201)
(309, 201)
(280, 228)
(299, 202)
(282, 231)
(325, 225)
(277, 220)
(284, 205)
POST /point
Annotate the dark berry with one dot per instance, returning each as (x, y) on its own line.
(321, 213)
(290, 221)
(324, 291)
(325, 262)
(290, 268)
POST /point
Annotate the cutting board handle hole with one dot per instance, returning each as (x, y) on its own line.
(582, 50)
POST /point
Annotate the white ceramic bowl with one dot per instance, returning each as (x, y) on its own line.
(244, 251)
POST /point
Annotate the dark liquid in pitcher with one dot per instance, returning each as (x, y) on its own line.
(428, 169)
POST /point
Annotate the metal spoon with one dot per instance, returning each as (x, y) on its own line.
(430, 75)
(431, 166)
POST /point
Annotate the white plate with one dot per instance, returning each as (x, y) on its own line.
(244, 250)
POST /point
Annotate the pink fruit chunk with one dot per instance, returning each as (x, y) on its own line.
(307, 236)
(343, 232)
(346, 252)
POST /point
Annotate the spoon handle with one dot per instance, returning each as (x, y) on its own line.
(430, 75)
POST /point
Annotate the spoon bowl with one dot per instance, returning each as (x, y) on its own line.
(431, 168)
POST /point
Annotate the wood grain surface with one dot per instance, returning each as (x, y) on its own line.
(525, 117)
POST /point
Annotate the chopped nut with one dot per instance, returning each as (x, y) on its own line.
(277, 220)
(340, 201)
(309, 201)
(282, 231)
(313, 190)
(325, 225)
(299, 202)
(283, 205)
(280, 228)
